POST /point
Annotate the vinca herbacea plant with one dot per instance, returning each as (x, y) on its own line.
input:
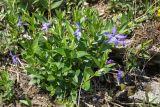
(71, 55)
(64, 46)
(63, 54)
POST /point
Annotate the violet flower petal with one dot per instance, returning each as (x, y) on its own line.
(108, 35)
(116, 38)
(119, 76)
(19, 23)
(14, 58)
(110, 61)
(113, 40)
(78, 25)
(77, 33)
(45, 26)
(120, 36)
(114, 30)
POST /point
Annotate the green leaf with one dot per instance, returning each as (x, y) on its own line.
(38, 76)
(33, 81)
(44, 3)
(123, 29)
(102, 71)
(35, 1)
(86, 75)
(40, 17)
(69, 28)
(73, 54)
(59, 65)
(35, 47)
(89, 71)
(65, 70)
(51, 89)
(56, 4)
(75, 79)
(51, 78)
(105, 57)
(96, 61)
(25, 102)
(81, 54)
(61, 51)
(86, 85)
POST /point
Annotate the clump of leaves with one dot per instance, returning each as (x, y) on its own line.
(6, 87)
(64, 55)
(137, 58)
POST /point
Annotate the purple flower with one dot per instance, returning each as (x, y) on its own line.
(115, 38)
(78, 33)
(110, 61)
(119, 76)
(45, 26)
(19, 23)
(15, 59)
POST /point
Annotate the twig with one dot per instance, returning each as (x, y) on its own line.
(79, 93)
(49, 9)
(118, 105)
(145, 77)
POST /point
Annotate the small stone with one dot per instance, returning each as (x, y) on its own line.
(86, 4)
(94, 99)
(101, 101)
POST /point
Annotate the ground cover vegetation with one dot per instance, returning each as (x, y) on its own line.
(65, 51)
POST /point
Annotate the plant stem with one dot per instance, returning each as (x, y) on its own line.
(49, 9)
(79, 93)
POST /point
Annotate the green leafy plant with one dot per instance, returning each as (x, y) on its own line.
(136, 11)
(26, 102)
(147, 102)
(64, 50)
(35, 5)
(63, 56)
(6, 86)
